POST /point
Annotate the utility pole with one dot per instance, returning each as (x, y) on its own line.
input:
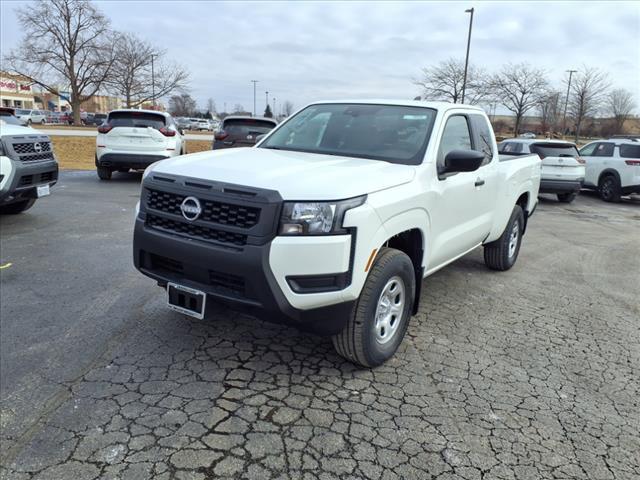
(274, 108)
(466, 61)
(566, 103)
(153, 82)
(254, 96)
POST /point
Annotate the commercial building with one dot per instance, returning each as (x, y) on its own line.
(15, 91)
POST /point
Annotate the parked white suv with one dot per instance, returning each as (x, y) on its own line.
(134, 139)
(332, 221)
(27, 117)
(203, 124)
(563, 170)
(613, 167)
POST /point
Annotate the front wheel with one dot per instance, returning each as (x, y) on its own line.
(29, 123)
(502, 253)
(18, 207)
(380, 318)
(609, 189)
(104, 173)
(567, 197)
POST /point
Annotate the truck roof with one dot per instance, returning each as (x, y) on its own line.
(404, 103)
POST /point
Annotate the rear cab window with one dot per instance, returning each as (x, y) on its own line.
(136, 120)
(555, 150)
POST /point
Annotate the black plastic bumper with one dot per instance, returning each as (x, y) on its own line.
(126, 160)
(26, 177)
(629, 189)
(241, 278)
(560, 186)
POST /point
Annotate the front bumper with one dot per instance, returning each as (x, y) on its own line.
(25, 177)
(560, 186)
(128, 160)
(243, 278)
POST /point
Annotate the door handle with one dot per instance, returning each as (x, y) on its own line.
(479, 182)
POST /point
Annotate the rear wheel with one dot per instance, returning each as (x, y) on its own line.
(104, 173)
(609, 188)
(18, 207)
(380, 318)
(502, 253)
(29, 122)
(567, 197)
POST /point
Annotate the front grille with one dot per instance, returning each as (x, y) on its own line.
(37, 157)
(227, 283)
(22, 148)
(159, 262)
(214, 212)
(46, 177)
(196, 231)
(26, 180)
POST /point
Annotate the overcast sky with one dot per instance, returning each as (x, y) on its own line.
(306, 51)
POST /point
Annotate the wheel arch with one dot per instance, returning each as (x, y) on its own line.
(609, 172)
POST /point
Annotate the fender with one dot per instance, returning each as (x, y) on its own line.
(609, 171)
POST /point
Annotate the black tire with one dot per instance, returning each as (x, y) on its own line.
(609, 188)
(501, 254)
(567, 197)
(29, 122)
(104, 173)
(18, 207)
(359, 342)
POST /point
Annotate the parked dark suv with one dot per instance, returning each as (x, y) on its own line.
(241, 131)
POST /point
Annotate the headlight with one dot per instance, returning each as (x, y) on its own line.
(316, 218)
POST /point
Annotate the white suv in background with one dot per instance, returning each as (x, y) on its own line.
(27, 117)
(613, 167)
(134, 139)
(563, 170)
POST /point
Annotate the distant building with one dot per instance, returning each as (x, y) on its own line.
(102, 104)
(15, 91)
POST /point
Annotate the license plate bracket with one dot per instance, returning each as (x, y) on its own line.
(186, 300)
(42, 190)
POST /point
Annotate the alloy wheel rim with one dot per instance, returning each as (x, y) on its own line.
(390, 309)
(513, 239)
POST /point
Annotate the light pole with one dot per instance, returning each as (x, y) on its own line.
(274, 107)
(466, 61)
(254, 96)
(266, 102)
(153, 82)
(566, 102)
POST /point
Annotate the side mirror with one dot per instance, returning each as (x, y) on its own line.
(462, 161)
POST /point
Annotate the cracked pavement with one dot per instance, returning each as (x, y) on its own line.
(528, 374)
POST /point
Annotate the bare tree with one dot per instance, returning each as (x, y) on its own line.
(182, 105)
(141, 73)
(444, 82)
(237, 108)
(519, 87)
(550, 108)
(620, 104)
(588, 92)
(287, 108)
(211, 106)
(65, 44)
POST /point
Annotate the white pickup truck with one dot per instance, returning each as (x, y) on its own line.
(332, 220)
(28, 167)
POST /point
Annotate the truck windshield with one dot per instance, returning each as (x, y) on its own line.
(392, 133)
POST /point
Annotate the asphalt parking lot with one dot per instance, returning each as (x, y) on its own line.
(528, 374)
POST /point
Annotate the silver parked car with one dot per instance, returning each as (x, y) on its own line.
(27, 117)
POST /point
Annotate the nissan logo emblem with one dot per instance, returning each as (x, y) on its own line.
(191, 208)
(37, 147)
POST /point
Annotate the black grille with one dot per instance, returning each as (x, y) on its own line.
(26, 180)
(227, 283)
(22, 148)
(196, 231)
(215, 212)
(46, 177)
(36, 157)
(159, 262)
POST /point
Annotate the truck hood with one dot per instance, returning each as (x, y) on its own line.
(296, 175)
